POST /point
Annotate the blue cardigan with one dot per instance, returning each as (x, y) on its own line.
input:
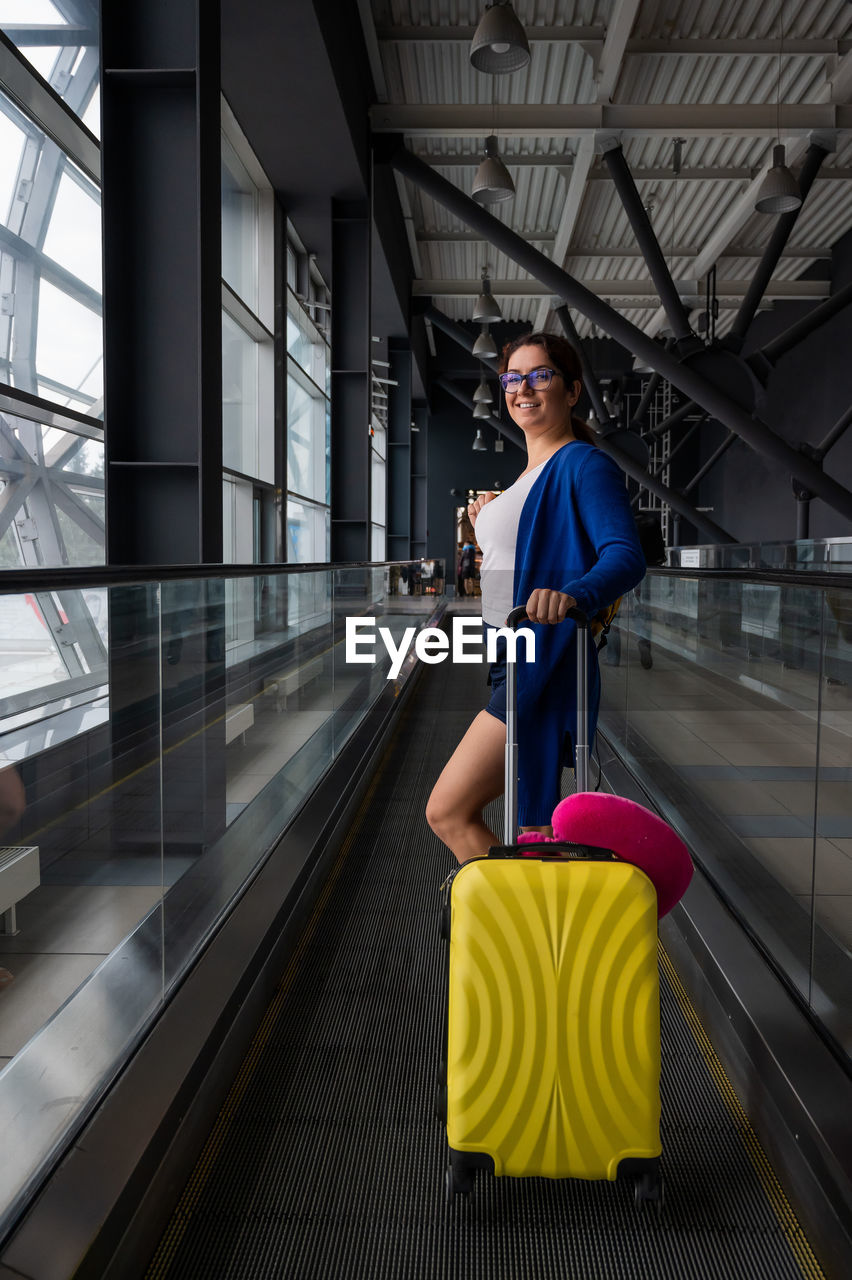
(577, 535)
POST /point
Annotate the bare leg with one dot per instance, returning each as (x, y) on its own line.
(471, 779)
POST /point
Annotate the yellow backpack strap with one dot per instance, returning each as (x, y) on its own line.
(603, 620)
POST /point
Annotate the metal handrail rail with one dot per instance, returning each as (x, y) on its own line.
(762, 577)
(16, 581)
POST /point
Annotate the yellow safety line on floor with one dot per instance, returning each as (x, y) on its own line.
(784, 1212)
(162, 1260)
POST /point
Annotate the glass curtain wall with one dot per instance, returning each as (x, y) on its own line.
(248, 365)
(51, 333)
(378, 491)
(308, 429)
(52, 503)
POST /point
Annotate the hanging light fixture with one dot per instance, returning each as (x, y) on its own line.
(486, 307)
(479, 442)
(485, 348)
(481, 411)
(779, 192)
(493, 181)
(499, 44)
(482, 394)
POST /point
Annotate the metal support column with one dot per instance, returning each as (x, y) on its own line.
(162, 282)
(351, 354)
(399, 450)
(163, 410)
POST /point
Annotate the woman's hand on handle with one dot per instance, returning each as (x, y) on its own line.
(546, 605)
(474, 508)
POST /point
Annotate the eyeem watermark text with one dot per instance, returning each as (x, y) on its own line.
(431, 644)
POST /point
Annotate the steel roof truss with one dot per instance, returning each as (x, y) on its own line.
(709, 395)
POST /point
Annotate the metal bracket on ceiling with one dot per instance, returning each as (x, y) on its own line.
(606, 140)
(594, 50)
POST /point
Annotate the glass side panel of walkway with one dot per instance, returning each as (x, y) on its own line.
(731, 700)
(328, 1159)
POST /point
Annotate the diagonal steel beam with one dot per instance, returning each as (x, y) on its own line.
(768, 355)
(590, 382)
(510, 432)
(835, 433)
(82, 515)
(675, 500)
(687, 435)
(459, 335)
(711, 461)
(755, 432)
(688, 407)
(676, 312)
(12, 500)
(628, 465)
(814, 157)
(648, 394)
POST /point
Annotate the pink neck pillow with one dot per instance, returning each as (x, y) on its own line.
(632, 832)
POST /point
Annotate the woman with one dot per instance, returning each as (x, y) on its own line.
(562, 535)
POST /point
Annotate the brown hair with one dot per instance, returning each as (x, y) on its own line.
(565, 361)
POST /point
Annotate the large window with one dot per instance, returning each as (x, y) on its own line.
(378, 489)
(248, 372)
(248, 359)
(51, 330)
(308, 411)
(60, 41)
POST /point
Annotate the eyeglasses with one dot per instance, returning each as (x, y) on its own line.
(536, 380)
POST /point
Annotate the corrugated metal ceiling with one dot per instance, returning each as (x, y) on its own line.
(424, 46)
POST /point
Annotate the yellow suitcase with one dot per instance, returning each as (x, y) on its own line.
(553, 1046)
(553, 1039)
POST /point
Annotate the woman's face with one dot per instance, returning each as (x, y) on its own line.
(547, 408)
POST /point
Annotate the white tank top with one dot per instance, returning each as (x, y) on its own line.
(497, 534)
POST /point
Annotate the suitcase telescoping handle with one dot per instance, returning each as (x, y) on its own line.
(581, 745)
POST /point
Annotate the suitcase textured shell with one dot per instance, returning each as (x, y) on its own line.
(553, 1054)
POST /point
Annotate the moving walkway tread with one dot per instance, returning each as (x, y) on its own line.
(327, 1159)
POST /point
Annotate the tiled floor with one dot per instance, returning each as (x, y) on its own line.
(64, 934)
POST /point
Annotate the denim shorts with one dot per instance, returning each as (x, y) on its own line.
(497, 680)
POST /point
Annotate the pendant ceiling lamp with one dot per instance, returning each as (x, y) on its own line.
(485, 348)
(499, 44)
(779, 192)
(482, 394)
(493, 182)
(481, 411)
(479, 441)
(486, 308)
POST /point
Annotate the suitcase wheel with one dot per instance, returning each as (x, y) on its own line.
(458, 1183)
(648, 1190)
